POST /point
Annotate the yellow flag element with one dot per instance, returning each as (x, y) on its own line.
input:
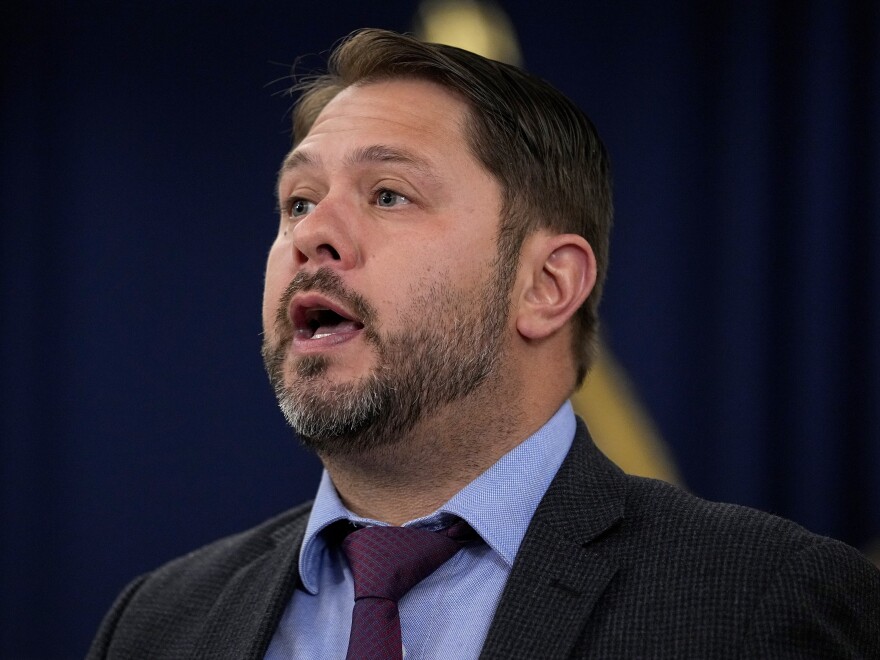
(872, 550)
(480, 27)
(619, 425)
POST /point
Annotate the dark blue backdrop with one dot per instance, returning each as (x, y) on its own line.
(139, 149)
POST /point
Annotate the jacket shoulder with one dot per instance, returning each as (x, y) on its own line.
(217, 590)
(676, 514)
(766, 584)
(694, 578)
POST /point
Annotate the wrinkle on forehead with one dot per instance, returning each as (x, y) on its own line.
(375, 153)
(414, 123)
(398, 103)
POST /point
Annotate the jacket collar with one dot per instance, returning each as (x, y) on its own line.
(558, 576)
(243, 619)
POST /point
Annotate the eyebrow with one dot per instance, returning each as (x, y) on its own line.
(377, 153)
(296, 159)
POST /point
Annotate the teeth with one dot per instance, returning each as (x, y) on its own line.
(318, 335)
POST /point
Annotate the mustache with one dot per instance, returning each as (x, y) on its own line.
(328, 282)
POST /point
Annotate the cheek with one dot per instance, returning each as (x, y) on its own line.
(277, 279)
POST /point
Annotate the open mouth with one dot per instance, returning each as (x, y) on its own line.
(317, 318)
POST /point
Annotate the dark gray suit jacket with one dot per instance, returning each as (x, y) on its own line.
(612, 566)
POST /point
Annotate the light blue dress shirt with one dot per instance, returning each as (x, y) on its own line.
(448, 614)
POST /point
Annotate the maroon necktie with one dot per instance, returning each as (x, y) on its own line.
(386, 563)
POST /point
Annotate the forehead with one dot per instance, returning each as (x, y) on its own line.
(409, 113)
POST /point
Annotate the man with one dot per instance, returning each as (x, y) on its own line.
(430, 304)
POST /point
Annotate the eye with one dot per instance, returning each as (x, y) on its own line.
(388, 198)
(297, 207)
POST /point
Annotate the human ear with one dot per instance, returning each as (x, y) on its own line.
(560, 274)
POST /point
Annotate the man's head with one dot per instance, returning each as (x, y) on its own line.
(543, 151)
(426, 229)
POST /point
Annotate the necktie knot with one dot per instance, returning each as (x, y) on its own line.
(386, 562)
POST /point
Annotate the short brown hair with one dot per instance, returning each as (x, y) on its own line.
(545, 153)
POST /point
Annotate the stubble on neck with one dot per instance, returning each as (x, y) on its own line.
(438, 457)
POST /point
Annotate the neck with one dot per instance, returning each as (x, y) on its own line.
(440, 456)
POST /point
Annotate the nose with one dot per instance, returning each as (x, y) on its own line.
(324, 238)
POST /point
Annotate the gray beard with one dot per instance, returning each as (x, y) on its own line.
(455, 346)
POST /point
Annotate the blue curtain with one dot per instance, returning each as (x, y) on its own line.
(139, 149)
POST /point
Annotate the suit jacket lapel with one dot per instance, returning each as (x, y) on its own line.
(243, 620)
(557, 578)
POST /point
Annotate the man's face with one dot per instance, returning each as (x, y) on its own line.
(383, 299)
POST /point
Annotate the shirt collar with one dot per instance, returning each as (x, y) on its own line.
(499, 504)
